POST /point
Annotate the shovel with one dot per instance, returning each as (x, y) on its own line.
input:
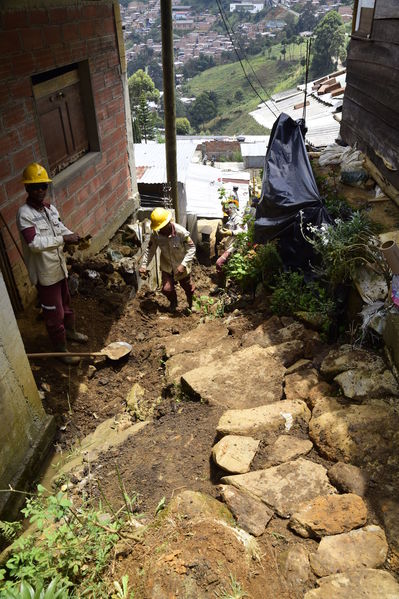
(114, 351)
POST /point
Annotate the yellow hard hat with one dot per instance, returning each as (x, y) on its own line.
(35, 173)
(159, 218)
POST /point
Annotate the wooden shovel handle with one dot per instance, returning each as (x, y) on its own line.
(60, 354)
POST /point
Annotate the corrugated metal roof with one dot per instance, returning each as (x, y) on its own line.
(323, 129)
(202, 186)
(152, 155)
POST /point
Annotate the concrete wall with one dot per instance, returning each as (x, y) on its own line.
(25, 430)
(98, 192)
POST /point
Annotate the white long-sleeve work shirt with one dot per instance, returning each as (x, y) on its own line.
(42, 241)
(176, 249)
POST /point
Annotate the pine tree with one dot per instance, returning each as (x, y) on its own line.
(145, 119)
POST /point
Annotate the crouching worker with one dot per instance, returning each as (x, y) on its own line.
(43, 236)
(232, 226)
(177, 253)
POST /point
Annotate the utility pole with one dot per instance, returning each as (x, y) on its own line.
(169, 100)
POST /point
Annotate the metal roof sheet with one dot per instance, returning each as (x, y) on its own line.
(202, 186)
(152, 155)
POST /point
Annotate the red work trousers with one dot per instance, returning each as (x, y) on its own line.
(57, 312)
(169, 289)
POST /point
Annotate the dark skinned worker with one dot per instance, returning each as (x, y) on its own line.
(177, 253)
(43, 236)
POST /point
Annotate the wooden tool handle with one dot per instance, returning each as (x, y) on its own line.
(60, 354)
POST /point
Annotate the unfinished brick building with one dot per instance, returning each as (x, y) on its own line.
(64, 104)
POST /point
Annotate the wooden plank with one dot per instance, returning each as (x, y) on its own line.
(381, 74)
(381, 137)
(383, 93)
(388, 9)
(386, 30)
(373, 105)
(55, 84)
(374, 52)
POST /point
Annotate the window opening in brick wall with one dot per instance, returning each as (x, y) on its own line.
(66, 114)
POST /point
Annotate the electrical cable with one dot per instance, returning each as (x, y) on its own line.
(240, 60)
(245, 55)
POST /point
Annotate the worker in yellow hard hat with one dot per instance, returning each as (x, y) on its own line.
(43, 236)
(232, 226)
(177, 253)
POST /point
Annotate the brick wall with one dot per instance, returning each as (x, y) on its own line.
(33, 41)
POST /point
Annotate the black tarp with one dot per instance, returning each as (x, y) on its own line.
(289, 194)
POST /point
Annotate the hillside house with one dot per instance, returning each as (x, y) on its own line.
(64, 104)
(370, 115)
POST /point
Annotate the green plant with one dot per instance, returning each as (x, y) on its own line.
(70, 544)
(122, 591)
(292, 294)
(203, 304)
(236, 591)
(251, 263)
(55, 590)
(9, 530)
(344, 246)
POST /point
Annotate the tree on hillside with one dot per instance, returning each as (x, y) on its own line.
(202, 110)
(145, 119)
(307, 19)
(141, 83)
(183, 126)
(329, 44)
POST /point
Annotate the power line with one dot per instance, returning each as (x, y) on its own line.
(240, 60)
(245, 56)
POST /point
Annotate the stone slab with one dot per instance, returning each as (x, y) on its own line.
(181, 363)
(329, 515)
(235, 453)
(361, 384)
(285, 449)
(283, 487)
(346, 358)
(366, 547)
(245, 379)
(365, 583)
(281, 415)
(299, 384)
(251, 514)
(348, 478)
(208, 334)
(295, 566)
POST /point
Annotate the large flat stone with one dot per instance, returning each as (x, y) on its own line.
(281, 415)
(181, 363)
(235, 453)
(245, 379)
(295, 566)
(299, 384)
(285, 449)
(283, 487)
(287, 352)
(361, 434)
(208, 334)
(348, 478)
(361, 384)
(347, 358)
(329, 515)
(365, 583)
(366, 547)
(251, 514)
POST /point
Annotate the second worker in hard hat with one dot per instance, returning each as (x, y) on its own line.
(43, 236)
(177, 253)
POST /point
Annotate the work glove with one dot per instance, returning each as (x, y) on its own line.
(226, 232)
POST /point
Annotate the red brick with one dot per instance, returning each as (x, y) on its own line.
(78, 50)
(9, 212)
(38, 17)
(105, 95)
(32, 39)
(8, 142)
(14, 115)
(22, 158)
(62, 55)
(86, 29)
(74, 14)
(15, 19)
(13, 254)
(27, 134)
(5, 69)
(22, 65)
(21, 88)
(70, 32)
(14, 187)
(52, 34)
(58, 15)
(5, 168)
(44, 60)
(10, 42)
(111, 78)
(66, 207)
(120, 119)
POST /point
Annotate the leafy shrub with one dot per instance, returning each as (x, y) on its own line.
(251, 263)
(292, 294)
(71, 545)
(55, 590)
